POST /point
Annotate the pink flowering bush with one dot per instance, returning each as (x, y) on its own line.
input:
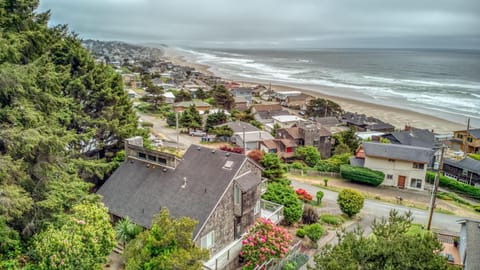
(263, 242)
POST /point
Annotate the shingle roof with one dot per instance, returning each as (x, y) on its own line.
(294, 132)
(270, 144)
(475, 132)
(139, 192)
(467, 163)
(248, 181)
(398, 152)
(237, 126)
(267, 107)
(414, 137)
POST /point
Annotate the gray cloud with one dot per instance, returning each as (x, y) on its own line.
(280, 23)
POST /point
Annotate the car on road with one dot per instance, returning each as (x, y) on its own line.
(197, 133)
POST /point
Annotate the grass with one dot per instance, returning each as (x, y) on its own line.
(332, 219)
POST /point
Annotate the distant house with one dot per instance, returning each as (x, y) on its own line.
(201, 106)
(309, 134)
(245, 92)
(469, 246)
(361, 122)
(240, 104)
(284, 148)
(286, 121)
(417, 137)
(222, 192)
(238, 128)
(283, 95)
(404, 166)
(169, 97)
(298, 102)
(231, 85)
(466, 170)
(467, 143)
(265, 113)
(250, 139)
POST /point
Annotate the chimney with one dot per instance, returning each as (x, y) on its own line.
(408, 128)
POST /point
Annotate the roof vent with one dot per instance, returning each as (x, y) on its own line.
(164, 169)
(148, 165)
(227, 154)
(198, 148)
(213, 151)
(228, 165)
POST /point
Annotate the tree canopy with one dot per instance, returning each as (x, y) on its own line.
(321, 107)
(167, 245)
(62, 120)
(309, 154)
(390, 247)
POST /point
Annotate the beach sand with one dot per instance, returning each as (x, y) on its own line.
(395, 116)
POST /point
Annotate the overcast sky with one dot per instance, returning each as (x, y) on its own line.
(276, 23)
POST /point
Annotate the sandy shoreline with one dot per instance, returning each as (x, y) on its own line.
(395, 116)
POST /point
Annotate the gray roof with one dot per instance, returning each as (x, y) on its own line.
(472, 240)
(414, 137)
(398, 152)
(237, 126)
(467, 163)
(270, 114)
(139, 192)
(475, 132)
(248, 181)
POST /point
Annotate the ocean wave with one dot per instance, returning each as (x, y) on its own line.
(410, 82)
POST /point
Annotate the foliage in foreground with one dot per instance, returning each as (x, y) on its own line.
(390, 247)
(362, 175)
(350, 202)
(286, 196)
(273, 168)
(263, 242)
(314, 231)
(167, 245)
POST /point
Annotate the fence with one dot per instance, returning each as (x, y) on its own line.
(278, 263)
(312, 172)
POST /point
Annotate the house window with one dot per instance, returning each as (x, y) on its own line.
(464, 172)
(152, 158)
(208, 240)
(469, 139)
(389, 176)
(257, 207)
(460, 136)
(418, 165)
(237, 195)
(391, 160)
(416, 183)
(142, 155)
(161, 160)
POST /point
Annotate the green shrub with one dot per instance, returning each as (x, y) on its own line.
(350, 202)
(454, 185)
(310, 215)
(474, 156)
(301, 233)
(333, 164)
(286, 196)
(331, 219)
(477, 208)
(362, 175)
(319, 197)
(314, 231)
(298, 165)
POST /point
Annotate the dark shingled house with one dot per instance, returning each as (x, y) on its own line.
(220, 190)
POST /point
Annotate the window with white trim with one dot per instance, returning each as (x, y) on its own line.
(416, 183)
(208, 240)
(237, 195)
(418, 165)
(389, 176)
(257, 207)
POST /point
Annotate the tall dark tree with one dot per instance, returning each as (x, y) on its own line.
(215, 119)
(223, 97)
(182, 95)
(321, 107)
(191, 118)
(155, 95)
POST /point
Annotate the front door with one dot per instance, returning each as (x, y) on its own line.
(401, 181)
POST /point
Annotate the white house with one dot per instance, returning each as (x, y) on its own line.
(286, 121)
(404, 166)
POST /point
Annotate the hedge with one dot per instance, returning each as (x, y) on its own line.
(456, 186)
(362, 175)
(286, 196)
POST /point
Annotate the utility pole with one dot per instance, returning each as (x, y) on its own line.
(176, 128)
(435, 188)
(244, 142)
(465, 140)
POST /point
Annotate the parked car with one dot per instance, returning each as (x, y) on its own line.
(197, 133)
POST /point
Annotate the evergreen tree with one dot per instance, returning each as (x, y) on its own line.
(223, 98)
(191, 118)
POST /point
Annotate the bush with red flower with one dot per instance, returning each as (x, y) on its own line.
(303, 195)
(263, 242)
(234, 149)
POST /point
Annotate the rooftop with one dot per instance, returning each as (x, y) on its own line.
(287, 118)
(398, 152)
(467, 163)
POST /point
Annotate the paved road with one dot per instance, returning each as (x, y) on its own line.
(375, 209)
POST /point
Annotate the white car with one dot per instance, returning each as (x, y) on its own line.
(198, 133)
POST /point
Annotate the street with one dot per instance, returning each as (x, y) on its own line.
(376, 209)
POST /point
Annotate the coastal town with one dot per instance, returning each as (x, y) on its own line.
(225, 144)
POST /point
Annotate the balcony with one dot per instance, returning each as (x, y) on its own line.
(268, 210)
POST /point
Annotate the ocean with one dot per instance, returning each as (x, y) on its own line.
(442, 83)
